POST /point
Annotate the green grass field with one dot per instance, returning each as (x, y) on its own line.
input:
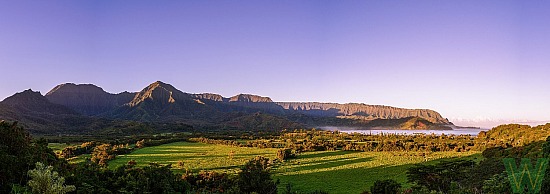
(56, 147)
(196, 156)
(353, 172)
(332, 171)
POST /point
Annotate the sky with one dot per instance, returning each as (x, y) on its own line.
(468, 60)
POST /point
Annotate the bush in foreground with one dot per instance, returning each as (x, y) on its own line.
(45, 180)
(387, 186)
(255, 177)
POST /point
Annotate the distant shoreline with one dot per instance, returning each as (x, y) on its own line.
(456, 131)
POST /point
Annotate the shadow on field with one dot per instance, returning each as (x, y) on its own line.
(325, 154)
(332, 163)
(174, 151)
(322, 161)
(224, 167)
(342, 181)
(250, 155)
(353, 180)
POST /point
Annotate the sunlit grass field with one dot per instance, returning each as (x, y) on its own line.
(332, 171)
(196, 156)
(354, 172)
(57, 147)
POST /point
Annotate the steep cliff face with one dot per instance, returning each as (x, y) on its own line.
(248, 103)
(361, 111)
(249, 98)
(256, 103)
(163, 102)
(237, 98)
(210, 96)
(87, 99)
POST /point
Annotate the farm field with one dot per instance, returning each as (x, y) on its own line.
(354, 172)
(196, 156)
(332, 171)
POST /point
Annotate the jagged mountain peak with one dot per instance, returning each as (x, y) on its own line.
(159, 92)
(163, 85)
(210, 96)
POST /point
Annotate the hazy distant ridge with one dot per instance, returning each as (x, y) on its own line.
(363, 110)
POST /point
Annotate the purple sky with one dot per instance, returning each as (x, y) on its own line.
(464, 59)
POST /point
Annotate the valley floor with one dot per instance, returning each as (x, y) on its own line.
(332, 171)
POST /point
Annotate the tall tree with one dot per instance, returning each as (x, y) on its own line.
(255, 177)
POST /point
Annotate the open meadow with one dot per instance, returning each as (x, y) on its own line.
(196, 156)
(332, 171)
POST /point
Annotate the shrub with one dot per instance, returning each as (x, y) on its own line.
(499, 183)
(46, 181)
(255, 177)
(387, 186)
(284, 154)
(102, 154)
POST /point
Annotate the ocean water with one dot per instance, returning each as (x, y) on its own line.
(456, 131)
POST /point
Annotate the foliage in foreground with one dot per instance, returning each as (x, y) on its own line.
(255, 177)
(487, 176)
(46, 181)
(92, 178)
(388, 186)
(18, 154)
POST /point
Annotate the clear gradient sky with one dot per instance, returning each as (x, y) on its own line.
(464, 59)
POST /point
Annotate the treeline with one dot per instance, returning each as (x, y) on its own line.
(512, 135)
(303, 140)
(130, 139)
(105, 152)
(72, 151)
(155, 142)
(313, 140)
(216, 141)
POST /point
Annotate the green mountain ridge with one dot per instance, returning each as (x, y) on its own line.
(81, 107)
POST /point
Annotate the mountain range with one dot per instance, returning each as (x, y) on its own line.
(86, 108)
